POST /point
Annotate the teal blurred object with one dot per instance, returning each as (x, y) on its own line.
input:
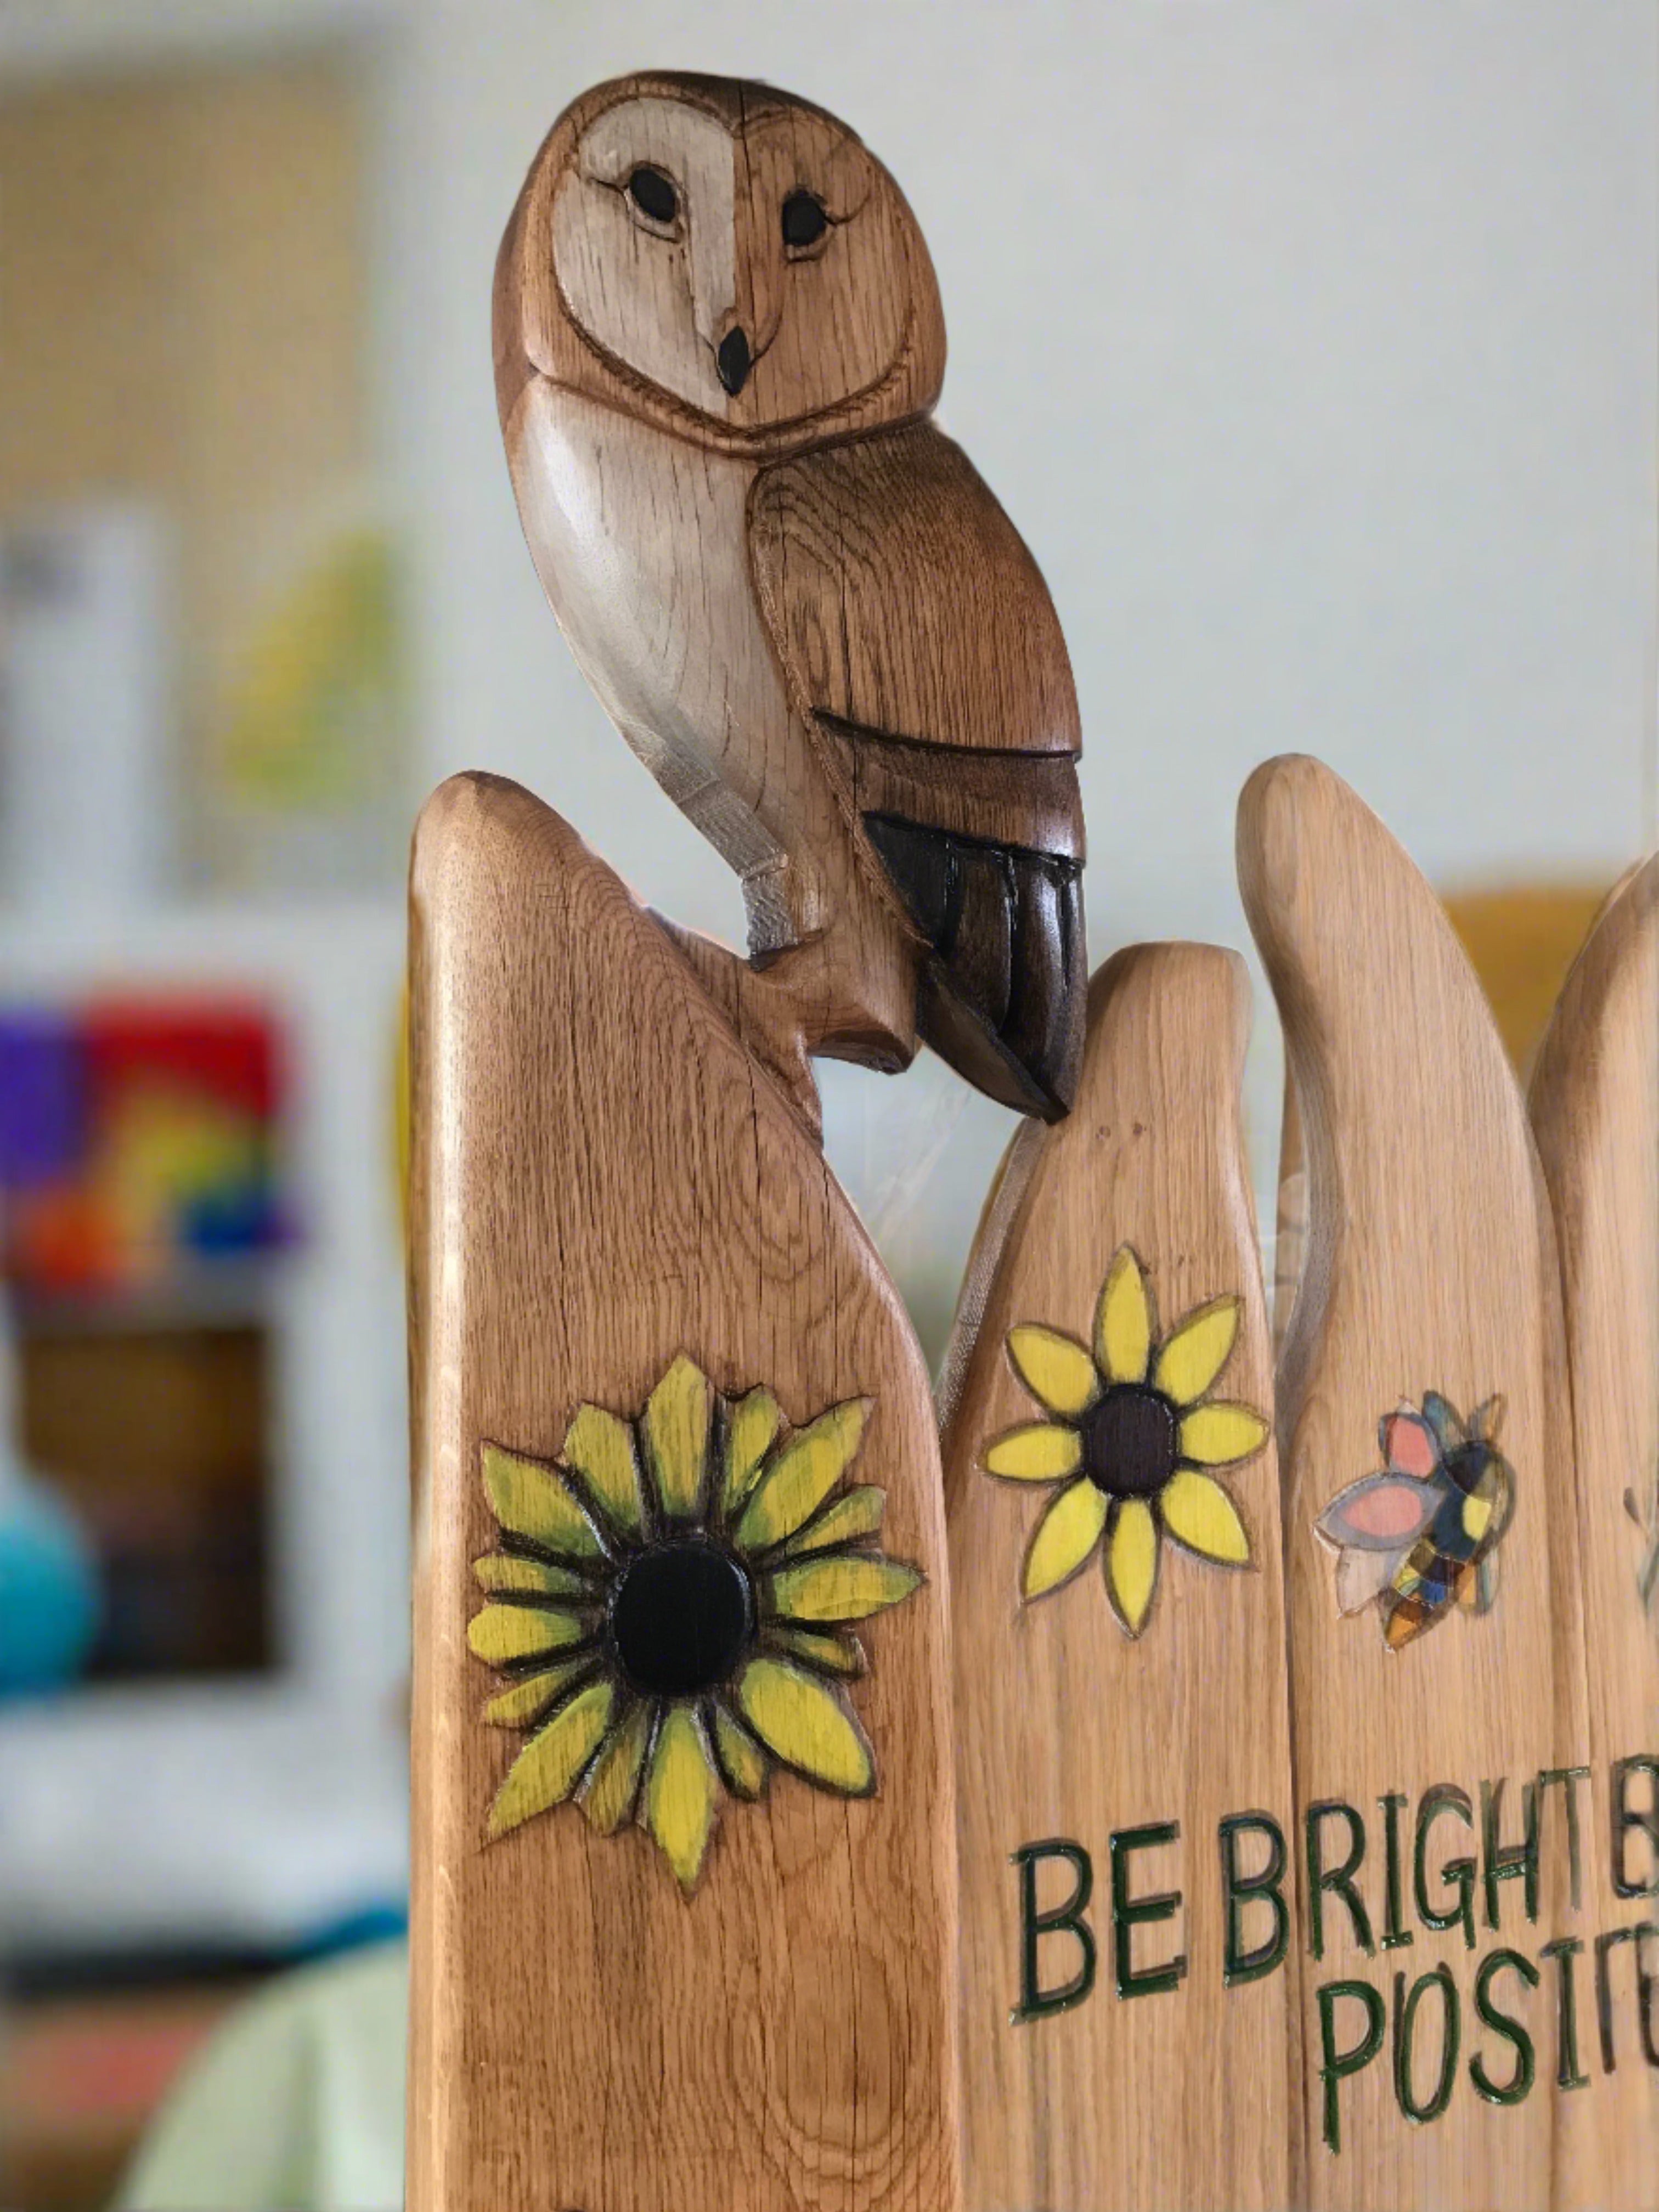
(50, 1608)
(51, 1605)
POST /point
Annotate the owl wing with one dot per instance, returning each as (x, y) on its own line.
(921, 649)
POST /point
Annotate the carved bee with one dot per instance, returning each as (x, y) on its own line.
(1422, 1537)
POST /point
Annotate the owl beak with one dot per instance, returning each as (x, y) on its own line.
(732, 359)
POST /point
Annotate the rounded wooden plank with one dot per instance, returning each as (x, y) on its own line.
(1594, 1105)
(1420, 1724)
(709, 1983)
(1071, 1730)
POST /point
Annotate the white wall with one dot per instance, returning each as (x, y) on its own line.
(1311, 344)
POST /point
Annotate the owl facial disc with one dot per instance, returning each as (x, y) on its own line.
(746, 256)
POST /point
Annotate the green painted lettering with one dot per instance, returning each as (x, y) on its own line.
(1406, 2003)
(1504, 2023)
(1336, 2066)
(1509, 1862)
(1563, 1951)
(1646, 1982)
(1266, 1887)
(1457, 1874)
(1396, 1934)
(1036, 2001)
(1128, 1913)
(1338, 1880)
(1624, 1819)
(1606, 1943)
(1569, 1778)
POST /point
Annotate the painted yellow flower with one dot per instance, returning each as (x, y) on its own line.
(671, 1603)
(1132, 1435)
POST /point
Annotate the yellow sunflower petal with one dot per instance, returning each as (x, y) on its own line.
(1132, 1563)
(500, 1634)
(1123, 1325)
(677, 1435)
(805, 1722)
(848, 1587)
(600, 1448)
(743, 1763)
(1042, 1451)
(803, 1474)
(755, 1421)
(1198, 1513)
(546, 1771)
(613, 1783)
(1198, 1349)
(681, 1794)
(530, 1500)
(522, 1705)
(1216, 1436)
(855, 1513)
(1064, 1536)
(502, 1570)
(1056, 1369)
(835, 1654)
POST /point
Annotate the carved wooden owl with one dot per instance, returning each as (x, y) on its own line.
(718, 342)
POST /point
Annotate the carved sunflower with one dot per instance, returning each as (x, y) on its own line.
(671, 1601)
(1130, 1440)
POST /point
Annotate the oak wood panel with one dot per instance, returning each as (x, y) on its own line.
(1067, 1729)
(1594, 1107)
(602, 1179)
(1430, 1265)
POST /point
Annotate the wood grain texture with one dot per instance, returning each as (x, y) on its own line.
(799, 605)
(604, 1179)
(1594, 1107)
(1290, 1222)
(868, 346)
(862, 549)
(1431, 1264)
(1067, 1729)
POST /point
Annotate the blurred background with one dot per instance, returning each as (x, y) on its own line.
(1313, 345)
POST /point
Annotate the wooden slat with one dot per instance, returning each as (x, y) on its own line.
(1431, 1265)
(1594, 1103)
(1071, 1730)
(604, 1181)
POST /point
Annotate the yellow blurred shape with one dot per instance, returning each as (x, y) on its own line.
(1521, 943)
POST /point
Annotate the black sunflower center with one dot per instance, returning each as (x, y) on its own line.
(1130, 1441)
(681, 1613)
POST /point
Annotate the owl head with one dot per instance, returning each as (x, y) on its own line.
(724, 260)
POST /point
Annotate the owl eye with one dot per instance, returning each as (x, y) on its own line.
(653, 195)
(804, 221)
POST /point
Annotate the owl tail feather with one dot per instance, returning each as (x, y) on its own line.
(1001, 994)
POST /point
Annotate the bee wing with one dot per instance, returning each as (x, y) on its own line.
(1486, 1420)
(1383, 1513)
(1361, 1576)
(1410, 1445)
(1442, 1418)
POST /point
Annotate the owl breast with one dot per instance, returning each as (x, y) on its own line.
(639, 539)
